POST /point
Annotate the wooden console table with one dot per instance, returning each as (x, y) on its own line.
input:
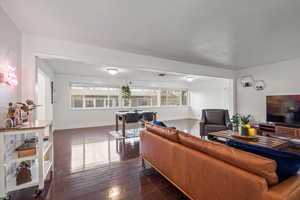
(274, 130)
(261, 141)
(39, 169)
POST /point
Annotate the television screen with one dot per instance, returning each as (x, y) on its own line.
(284, 109)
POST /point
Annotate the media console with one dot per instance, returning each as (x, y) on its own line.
(279, 130)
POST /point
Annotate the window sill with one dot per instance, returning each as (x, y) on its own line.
(128, 108)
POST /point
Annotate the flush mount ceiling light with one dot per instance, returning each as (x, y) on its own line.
(161, 74)
(189, 78)
(112, 70)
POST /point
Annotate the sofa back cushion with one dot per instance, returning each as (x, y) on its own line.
(196, 173)
(258, 165)
(215, 117)
(168, 133)
(288, 163)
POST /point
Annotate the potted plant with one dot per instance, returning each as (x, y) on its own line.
(126, 93)
(245, 119)
(236, 121)
(28, 107)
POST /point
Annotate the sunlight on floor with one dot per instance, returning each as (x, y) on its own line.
(92, 154)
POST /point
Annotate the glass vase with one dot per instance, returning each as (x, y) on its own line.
(30, 117)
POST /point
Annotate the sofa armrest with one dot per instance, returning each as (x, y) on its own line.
(287, 190)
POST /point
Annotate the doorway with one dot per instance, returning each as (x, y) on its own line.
(44, 93)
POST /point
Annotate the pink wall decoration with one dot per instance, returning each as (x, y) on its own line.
(8, 76)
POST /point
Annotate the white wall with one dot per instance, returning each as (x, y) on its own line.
(44, 89)
(10, 54)
(41, 97)
(66, 118)
(211, 94)
(33, 46)
(281, 79)
(36, 46)
(204, 94)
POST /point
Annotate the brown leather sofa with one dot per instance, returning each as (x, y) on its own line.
(205, 170)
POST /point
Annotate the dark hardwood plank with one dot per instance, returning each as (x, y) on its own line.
(88, 165)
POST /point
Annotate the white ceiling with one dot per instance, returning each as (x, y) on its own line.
(223, 33)
(67, 67)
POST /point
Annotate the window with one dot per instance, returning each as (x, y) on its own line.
(103, 97)
(100, 101)
(170, 97)
(113, 101)
(89, 101)
(142, 98)
(184, 97)
(94, 97)
(77, 101)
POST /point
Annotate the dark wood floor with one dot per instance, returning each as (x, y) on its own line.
(92, 165)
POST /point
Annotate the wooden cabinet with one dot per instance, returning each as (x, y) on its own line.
(266, 129)
(286, 132)
(273, 130)
(298, 133)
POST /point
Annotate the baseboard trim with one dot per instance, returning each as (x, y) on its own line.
(166, 177)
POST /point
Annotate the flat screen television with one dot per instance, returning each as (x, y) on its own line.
(284, 109)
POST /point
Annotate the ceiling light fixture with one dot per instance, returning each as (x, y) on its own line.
(189, 78)
(112, 70)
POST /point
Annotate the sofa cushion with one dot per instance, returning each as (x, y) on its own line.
(168, 133)
(215, 117)
(288, 163)
(258, 165)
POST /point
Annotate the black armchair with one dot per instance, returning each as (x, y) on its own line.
(214, 120)
(148, 116)
(132, 117)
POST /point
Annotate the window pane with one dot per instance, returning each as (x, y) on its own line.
(141, 101)
(184, 98)
(102, 97)
(89, 101)
(77, 101)
(163, 97)
(143, 97)
(174, 97)
(154, 100)
(113, 101)
(126, 103)
(100, 101)
(170, 97)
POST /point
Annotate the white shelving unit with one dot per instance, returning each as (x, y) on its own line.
(39, 169)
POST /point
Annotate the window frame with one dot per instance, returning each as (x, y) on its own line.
(121, 101)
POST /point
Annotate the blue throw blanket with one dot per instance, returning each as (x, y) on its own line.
(288, 163)
(160, 123)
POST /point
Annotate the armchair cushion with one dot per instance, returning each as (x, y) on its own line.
(215, 117)
(214, 128)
